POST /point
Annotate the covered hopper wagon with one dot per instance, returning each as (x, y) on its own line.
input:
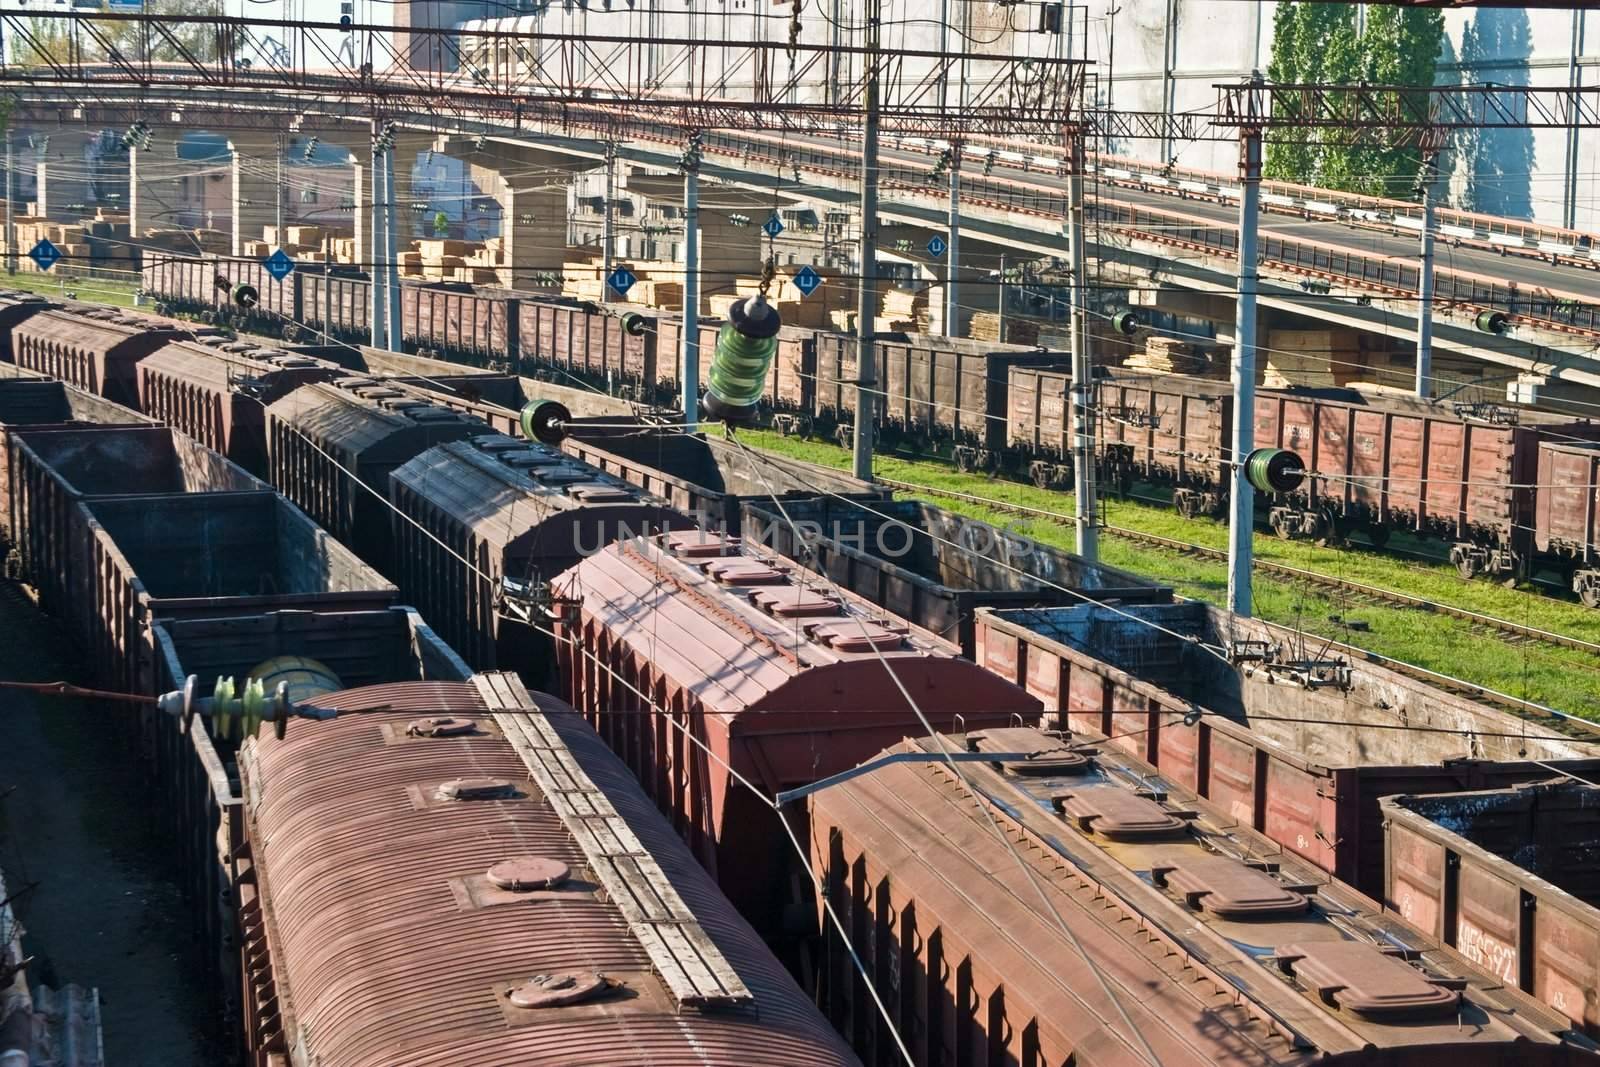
(783, 680)
(501, 893)
(1055, 904)
(520, 514)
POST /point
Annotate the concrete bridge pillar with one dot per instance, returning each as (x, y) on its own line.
(256, 189)
(63, 173)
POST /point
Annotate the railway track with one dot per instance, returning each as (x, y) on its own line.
(1504, 628)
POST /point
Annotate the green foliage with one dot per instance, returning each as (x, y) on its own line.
(441, 223)
(1318, 43)
(58, 40)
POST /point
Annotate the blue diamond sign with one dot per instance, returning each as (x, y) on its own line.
(45, 254)
(807, 280)
(937, 247)
(772, 227)
(279, 265)
(621, 280)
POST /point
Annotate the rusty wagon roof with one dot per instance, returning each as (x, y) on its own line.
(219, 361)
(502, 488)
(356, 414)
(389, 945)
(736, 625)
(1225, 950)
(104, 330)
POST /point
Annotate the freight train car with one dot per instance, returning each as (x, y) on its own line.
(572, 341)
(30, 401)
(1507, 878)
(519, 515)
(54, 469)
(934, 391)
(780, 678)
(1566, 518)
(709, 478)
(931, 566)
(475, 325)
(498, 892)
(191, 765)
(335, 301)
(96, 350)
(15, 309)
(1298, 742)
(215, 391)
(332, 445)
(1057, 906)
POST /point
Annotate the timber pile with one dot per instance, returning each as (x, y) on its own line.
(1166, 355)
(1019, 331)
(1312, 358)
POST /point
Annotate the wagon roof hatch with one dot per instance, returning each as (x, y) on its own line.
(1114, 812)
(1228, 888)
(1365, 980)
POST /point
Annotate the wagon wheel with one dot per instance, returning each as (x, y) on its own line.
(963, 460)
(1466, 566)
(1589, 595)
(1280, 526)
(1187, 506)
(1040, 474)
(1378, 535)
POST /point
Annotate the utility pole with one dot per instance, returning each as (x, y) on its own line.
(1083, 497)
(1242, 499)
(690, 377)
(866, 309)
(952, 306)
(1000, 317)
(952, 302)
(1569, 192)
(1430, 180)
(11, 221)
(607, 234)
(278, 214)
(391, 259)
(377, 318)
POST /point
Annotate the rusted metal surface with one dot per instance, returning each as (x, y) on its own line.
(97, 350)
(212, 555)
(515, 511)
(324, 437)
(945, 910)
(932, 566)
(1567, 515)
(935, 388)
(578, 340)
(474, 324)
(17, 307)
(1303, 764)
(30, 401)
(703, 476)
(350, 304)
(1508, 877)
(784, 700)
(191, 772)
(372, 936)
(53, 470)
(214, 391)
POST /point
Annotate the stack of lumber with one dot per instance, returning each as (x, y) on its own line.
(1166, 355)
(906, 309)
(1018, 330)
(71, 240)
(1313, 358)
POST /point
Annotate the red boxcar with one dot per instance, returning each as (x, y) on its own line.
(571, 339)
(97, 351)
(780, 678)
(453, 319)
(1566, 524)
